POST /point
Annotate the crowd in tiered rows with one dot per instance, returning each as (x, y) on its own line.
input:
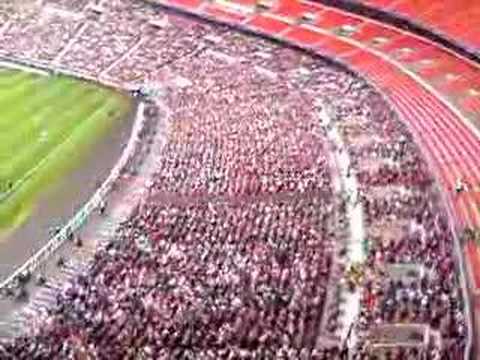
(39, 40)
(233, 252)
(406, 224)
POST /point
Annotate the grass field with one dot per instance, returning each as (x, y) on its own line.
(47, 126)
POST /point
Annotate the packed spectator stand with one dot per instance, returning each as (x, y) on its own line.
(233, 252)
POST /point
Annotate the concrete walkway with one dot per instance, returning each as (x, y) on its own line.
(346, 186)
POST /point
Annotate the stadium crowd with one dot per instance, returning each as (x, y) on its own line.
(406, 225)
(236, 250)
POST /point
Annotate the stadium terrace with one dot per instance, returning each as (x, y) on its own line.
(196, 180)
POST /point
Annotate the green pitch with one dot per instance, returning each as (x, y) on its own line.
(47, 125)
